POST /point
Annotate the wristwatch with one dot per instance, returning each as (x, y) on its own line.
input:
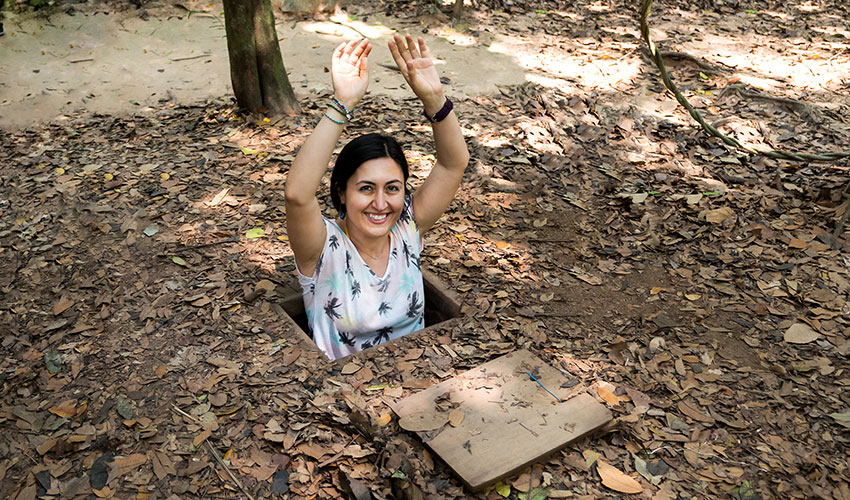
(442, 113)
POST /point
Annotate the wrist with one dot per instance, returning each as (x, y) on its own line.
(349, 102)
(439, 115)
(434, 104)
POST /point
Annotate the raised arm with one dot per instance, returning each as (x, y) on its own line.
(438, 190)
(350, 74)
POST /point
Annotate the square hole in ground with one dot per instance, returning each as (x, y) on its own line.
(441, 306)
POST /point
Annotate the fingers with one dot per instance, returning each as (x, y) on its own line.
(411, 47)
(398, 52)
(338, 51)
(361, 49)
(353, 50)
(423, 49)
(406, 49)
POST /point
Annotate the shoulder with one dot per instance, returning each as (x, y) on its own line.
(407, 217)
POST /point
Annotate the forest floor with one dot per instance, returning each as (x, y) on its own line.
(699, 292)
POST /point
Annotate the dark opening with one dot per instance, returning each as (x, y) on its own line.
(440, 306)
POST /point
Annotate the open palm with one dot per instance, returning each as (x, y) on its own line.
(350, 71)
(417, 68)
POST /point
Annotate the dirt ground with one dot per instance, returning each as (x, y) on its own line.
(116, 62)
(697, 291)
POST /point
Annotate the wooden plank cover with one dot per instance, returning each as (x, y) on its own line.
(508, 421)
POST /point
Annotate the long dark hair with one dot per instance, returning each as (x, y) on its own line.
(359, 151)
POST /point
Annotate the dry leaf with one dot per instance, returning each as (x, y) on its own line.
(616, 480)
(456, 417)
(65, 409)
(384, 419)
(719, 215)
(126, 464)
(608, 396)
(350, 368)
(424, 421)
(218, 198)
(201, 437)
(800, 333)
(62, 306)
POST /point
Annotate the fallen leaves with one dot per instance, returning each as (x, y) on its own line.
(800, 333)
(616, 480)
(741, 263)
(424, 421)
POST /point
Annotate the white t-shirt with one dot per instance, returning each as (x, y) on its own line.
(349, 307)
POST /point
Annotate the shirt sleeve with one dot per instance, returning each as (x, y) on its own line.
(409, 225)
(329, 231)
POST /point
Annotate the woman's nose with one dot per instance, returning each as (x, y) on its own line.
(380, 200)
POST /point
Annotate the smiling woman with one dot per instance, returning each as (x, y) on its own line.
(360, 273)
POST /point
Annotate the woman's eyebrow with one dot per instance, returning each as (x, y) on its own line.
(394, 181)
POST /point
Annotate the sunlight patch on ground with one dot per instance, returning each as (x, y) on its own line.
(459, 39)
(345, 29)
(555, 64)
(599, 6)
(774, 70)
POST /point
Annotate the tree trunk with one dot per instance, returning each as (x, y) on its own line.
(257, 73)
(458, 10)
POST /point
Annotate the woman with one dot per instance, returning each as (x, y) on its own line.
(359, 273)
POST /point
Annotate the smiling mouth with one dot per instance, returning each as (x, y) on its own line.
(377, 218)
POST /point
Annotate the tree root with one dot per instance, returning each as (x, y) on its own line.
(799, 107)
(672, 54)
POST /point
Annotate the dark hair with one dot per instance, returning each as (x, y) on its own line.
(359, 151)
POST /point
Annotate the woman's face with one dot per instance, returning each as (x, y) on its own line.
(374, 197)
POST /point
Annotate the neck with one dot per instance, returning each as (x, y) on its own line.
(370, 247)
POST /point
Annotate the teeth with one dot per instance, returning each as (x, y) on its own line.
(376, 217)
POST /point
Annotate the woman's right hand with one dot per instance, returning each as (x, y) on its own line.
(350, 71)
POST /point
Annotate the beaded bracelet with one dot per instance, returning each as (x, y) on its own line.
(341, 107)
(338, 122)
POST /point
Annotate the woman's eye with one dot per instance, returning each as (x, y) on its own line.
(392, 189)
(365, 188)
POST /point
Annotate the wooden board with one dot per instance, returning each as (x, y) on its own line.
(509, 421)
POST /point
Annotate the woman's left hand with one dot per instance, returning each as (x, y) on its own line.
(417, 68)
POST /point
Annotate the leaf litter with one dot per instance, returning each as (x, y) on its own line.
(697, 291)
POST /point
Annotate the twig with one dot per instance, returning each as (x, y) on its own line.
(183, 413)
(529, 430)
(214, 453)
(190, 57)
(714, 455)
(81, 60)
(221, 463)
(336, 457)
(352, 28)
(204, 245)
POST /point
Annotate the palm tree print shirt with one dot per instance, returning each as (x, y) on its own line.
(349, 307)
